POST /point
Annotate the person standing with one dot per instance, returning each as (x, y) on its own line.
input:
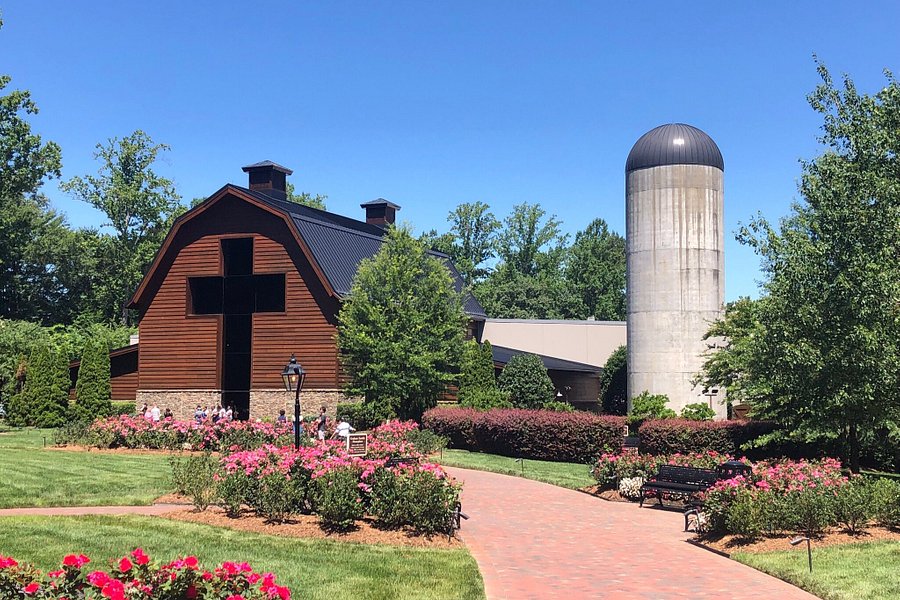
(167, 414)
(321, 424)
(228, 414)
(282, 419)
(198, 414)
(343, 429)
(154, 414)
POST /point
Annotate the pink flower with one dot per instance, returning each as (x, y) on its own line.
(76, 561)
(139, 557)
(114, 590)
(98, 579)
(125, 564)
(31, 588)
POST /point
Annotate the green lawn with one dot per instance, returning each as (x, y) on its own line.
(31, 475)
(311, 568)
(870, 571)
(567, 475)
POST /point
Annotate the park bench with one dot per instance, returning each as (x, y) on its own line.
(678, 481)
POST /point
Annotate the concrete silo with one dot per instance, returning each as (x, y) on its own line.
(675, 260)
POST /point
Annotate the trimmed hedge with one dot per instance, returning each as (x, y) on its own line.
(535, 434)
(683, 436)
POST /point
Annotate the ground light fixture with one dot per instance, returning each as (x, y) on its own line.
(293, 376)
(799, 540)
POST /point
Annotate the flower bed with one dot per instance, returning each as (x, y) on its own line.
(612, 468)
(168, 434)
(323, 479)
(136, 576)
(536, 434)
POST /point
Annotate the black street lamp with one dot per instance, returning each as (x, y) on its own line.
(293, 376)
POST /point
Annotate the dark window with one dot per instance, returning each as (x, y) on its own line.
(237, 255)
(269, 292)
(239, 295)
(206, 295)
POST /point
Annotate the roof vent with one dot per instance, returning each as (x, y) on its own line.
(269, 178)
(380, 212)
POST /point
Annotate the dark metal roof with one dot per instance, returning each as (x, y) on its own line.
(380, 202)
(339, 244)
(674, 144)
(267, 163)
(502, 355)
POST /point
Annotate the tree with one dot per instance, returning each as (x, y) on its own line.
(614, 383)
(529, 243)
(595, 272)
(525, 381)
(93, 391)
(140, 206)
(401, 328)
(305, 198)
(477, 383)
(474, 228)
(730, 361)
(508, 294)
(44, 401)
(828, 347)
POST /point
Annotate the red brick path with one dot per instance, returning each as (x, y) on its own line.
(534, 540)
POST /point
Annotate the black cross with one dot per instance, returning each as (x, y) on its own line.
(237, 295)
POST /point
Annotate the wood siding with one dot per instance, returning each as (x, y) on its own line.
(181, 352)
(124, 387)
(302, 330)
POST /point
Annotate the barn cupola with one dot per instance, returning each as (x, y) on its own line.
(380, 212)
(269, 178)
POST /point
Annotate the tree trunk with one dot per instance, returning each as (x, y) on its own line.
(853, 441)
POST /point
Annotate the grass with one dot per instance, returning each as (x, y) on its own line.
(31, 475)
(567, 475)
(311, 568)
(844, 572)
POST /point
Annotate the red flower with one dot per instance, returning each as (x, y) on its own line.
(125, 564)
(139, 557)
(55, 574)
(32, 588)
(190, 562)
(114, 590)
(98, 579)
(75, 560)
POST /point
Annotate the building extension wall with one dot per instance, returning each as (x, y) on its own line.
(676, 276)
(588, 342)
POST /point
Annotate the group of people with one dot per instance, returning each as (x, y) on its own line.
(342, 430)
(153, 413)
(216, 414)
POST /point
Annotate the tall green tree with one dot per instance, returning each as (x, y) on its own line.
(44, 401)
(829, 344)
(305, 198)
(93, 390)
(509, 294)
(140, 206)
(595, 272)
(401, 328)
(474, 228)
(614, 383)
(531, 242)
(477, 383)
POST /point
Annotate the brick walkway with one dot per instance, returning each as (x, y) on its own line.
(534, 540)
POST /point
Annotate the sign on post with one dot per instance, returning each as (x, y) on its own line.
(358, 444)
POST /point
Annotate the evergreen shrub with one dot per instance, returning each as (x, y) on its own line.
(93, 390)
(526, 382)
(536, 434)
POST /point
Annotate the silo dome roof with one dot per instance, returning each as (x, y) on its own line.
(674, 144)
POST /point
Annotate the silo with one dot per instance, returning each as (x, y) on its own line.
(675, 260)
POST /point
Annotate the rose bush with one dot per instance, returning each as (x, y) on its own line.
(135, 576)
(611, 467)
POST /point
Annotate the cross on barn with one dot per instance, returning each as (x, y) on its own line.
(242, 281)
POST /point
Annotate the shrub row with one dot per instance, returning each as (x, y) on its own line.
(135, 576)
(535, 434)
(683, 436)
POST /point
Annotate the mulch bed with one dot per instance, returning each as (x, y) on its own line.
(307, 526)
(604, 494)
(728, 544)
(77, 448)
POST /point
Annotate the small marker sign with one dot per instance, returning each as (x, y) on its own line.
(358, 444)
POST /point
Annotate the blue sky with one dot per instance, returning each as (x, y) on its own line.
(431, 104)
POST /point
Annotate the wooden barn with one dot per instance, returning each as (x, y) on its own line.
(242, 281)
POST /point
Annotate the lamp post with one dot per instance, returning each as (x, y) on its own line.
(293, 376)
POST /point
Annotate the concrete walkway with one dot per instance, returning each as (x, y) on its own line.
(534, 540)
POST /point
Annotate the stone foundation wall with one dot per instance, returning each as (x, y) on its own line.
(181, 402)
(265, 404)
